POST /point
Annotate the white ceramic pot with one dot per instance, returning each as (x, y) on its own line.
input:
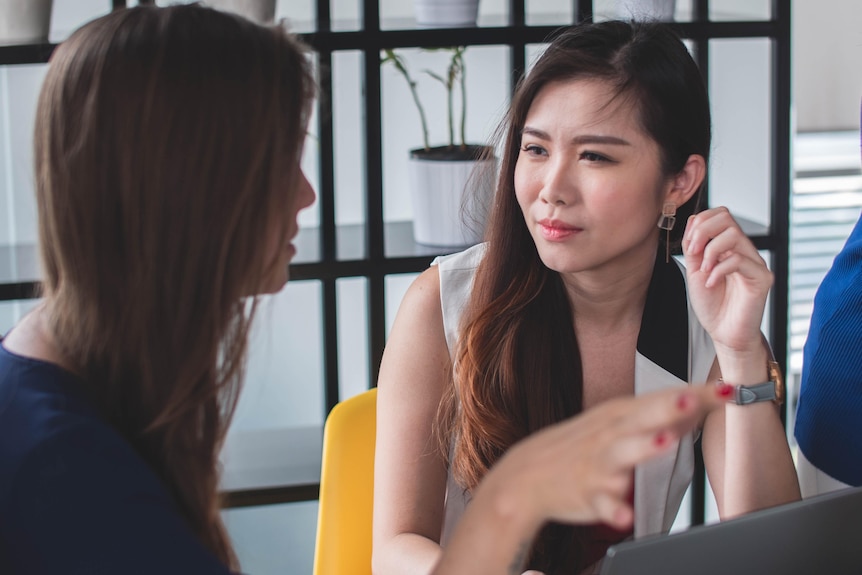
(451, 200)
(446, 13)
(24, 20)
(260, 11)
(662, 10)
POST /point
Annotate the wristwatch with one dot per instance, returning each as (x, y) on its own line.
(772, 390)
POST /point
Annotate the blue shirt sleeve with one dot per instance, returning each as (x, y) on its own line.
(84, 503)
(829, 412)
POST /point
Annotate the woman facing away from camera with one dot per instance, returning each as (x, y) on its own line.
(167, 150)
(168, 144)
(572, 303)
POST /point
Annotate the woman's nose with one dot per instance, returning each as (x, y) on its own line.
(306, 194)
(558, 185)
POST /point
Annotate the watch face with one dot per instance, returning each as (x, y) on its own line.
(776, 376)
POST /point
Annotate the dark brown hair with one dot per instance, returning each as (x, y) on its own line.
(166, 141)
(517, 367)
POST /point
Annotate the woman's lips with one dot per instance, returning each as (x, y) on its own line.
(555, 231)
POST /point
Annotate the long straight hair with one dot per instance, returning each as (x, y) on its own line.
(166, 142)
(518, 367)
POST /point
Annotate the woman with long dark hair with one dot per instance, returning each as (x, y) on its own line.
(167, 150)
(573, 301)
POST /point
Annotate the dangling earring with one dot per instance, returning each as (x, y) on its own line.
(666, 222)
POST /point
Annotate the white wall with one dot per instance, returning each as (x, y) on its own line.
(827, 64)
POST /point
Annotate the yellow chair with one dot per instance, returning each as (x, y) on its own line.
(343, 545)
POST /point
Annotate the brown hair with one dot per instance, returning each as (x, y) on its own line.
(166, 142)
(517, 367)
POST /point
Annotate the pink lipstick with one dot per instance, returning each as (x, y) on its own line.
(556, 231)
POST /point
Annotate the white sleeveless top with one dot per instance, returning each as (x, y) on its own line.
(663, 355)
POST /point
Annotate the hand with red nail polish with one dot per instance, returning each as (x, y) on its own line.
(580, 471)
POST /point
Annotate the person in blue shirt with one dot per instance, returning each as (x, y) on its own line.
(168, 183)
(829, 413)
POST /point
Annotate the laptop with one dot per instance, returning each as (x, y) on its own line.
(814, 536)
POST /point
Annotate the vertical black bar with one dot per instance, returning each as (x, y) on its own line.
(330, 344)
(517, 49)
(374, 229)
(116, 4)
(701, 56)
(583, 11)
(698, 487)
(517, 13)
(698, 481)
(701, 10)
(326, 193)
(323, 16)
(326, 198)
(781, 180)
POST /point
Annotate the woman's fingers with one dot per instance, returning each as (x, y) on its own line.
(677, 410)
(581, 470)
(704, 226)
(625, 432)
(613, 510)
(752, 270)
(716, 248)
(654, 423)
(712, 237)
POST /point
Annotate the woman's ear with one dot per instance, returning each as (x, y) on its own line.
(687, 181)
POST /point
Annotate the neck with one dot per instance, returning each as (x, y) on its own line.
(32, 337)
(609, 299)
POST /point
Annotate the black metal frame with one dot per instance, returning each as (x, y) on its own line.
(375, 266)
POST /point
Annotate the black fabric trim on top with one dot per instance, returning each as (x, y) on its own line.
(665, 319)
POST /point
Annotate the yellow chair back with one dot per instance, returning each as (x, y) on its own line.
(343, 545)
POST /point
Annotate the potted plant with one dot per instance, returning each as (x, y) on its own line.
(25, 20)
(260, 11)
(662, 10)
(446, 13)
(451, 185)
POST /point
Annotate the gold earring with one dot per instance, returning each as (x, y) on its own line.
(666, 222)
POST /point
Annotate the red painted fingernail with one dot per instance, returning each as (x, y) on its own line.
(683, 401)
(661, 439)
(725, 390)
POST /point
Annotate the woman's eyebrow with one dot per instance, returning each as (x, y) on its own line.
(535, 132)
(581, 139)
(600, 139)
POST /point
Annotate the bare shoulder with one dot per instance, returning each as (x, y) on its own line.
(426, 287)
(421, 305)
(416, 349)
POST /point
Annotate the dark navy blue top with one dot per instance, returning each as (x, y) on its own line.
(75, 497)
(829, 415)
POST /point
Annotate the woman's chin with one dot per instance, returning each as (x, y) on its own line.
(276, 284)
(272, 284)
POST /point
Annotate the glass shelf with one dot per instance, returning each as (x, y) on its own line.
(270, 458)
(19, 264)
(351, 244)
(408, 23)
(20, 269)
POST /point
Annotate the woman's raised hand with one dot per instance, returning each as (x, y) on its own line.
(728, 281)
(577, 471)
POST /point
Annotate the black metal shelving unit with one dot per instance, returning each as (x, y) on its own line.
(386, 248)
